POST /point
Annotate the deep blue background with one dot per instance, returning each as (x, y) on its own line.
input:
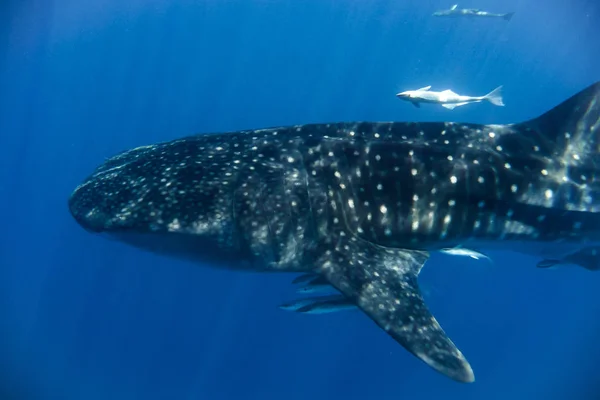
(85, 318)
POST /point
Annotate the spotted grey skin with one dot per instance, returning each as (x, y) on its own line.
(361, 204)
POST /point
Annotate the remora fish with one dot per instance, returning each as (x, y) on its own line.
(454, 11)
(304, 278)
(319, 284)
(361, 203)
(320, 305)
(459, 251)
(448, 99)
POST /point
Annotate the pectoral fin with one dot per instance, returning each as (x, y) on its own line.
(416, 104)
(452, 106)
(382, 282)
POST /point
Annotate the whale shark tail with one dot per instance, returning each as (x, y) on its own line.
(508, 16)
(387, 291)
(570, 129)
(495, 97)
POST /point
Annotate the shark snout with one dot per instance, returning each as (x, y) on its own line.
(89, 210)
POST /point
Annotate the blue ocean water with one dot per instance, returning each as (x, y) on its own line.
(86, 318)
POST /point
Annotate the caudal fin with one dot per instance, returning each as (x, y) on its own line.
(495, 97)
(508, 16)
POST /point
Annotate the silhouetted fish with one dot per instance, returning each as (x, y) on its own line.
(454, 11)
(588, 258)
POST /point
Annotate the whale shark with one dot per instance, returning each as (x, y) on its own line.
(361, 205)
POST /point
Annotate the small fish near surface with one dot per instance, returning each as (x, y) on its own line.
(448, 99)
(360, 204)
(455, 12)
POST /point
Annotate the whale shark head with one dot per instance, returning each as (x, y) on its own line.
(144, 197)
(362, 204)
(237, 200)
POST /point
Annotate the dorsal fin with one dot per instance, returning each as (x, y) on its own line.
(573, 125)
(424, 88)
(454, 7)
